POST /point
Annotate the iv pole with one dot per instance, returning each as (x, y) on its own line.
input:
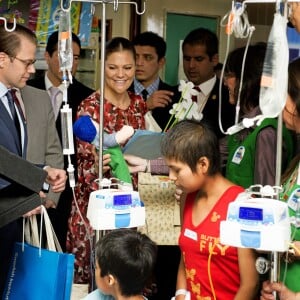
(275, 262)
(66, 6)
(5, 24)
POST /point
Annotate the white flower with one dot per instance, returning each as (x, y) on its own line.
(186, 109)
(187, 89)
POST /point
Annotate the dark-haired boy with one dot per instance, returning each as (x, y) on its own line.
(125, 260)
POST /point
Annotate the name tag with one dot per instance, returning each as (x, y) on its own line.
(190, 234)
(294, 200)
(238, 155)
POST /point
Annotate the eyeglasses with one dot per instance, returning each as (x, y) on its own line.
(26, 62)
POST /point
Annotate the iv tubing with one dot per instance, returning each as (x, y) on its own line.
(5, 24)
(115, 3)
(103, 41)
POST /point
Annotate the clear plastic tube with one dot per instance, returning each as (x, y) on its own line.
(67, 130)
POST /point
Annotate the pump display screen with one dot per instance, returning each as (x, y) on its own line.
(122, 200)
(251, 213)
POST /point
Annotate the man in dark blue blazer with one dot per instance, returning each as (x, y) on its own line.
(150, 59)
(76, 93)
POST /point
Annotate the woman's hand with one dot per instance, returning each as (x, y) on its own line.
(283, 292)
(105, 162)
(35, 211)
(135, 163)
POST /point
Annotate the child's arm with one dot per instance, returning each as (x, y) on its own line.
(181, 275)
(249, 279)
(181, 281)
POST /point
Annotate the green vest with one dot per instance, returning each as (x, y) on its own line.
(241, 156)
(290, 273)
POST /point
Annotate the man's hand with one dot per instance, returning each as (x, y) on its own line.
(56, 178)
(160, 98)
(49, 203)
(135, 163)
(35, 211)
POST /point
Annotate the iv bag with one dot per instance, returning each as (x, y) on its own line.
(65, 50)
(273, 87)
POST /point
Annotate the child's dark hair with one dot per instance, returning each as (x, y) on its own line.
(252, 74)
(294, 83)
(189, 140)
(129, 256)
(294, 92)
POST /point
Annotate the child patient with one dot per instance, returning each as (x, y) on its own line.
(125, 260)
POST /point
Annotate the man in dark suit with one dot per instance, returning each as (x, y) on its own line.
(200, 56)
(76, 93)
(150, 58)
(17, 57)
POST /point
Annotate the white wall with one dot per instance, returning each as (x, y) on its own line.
(154, 18)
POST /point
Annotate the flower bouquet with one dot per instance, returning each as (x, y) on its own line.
(185, 108)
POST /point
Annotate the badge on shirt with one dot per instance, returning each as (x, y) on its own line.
(238, 155)
(294, 200)
(190, 234)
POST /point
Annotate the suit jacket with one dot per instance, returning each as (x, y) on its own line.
(77, 92)
(211, 110)
(15, 199)
(9, 137)
(161, 114)
(9, 134)
(43, 147)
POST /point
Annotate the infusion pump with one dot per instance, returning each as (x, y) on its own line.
(258, 223)
(114, 208)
